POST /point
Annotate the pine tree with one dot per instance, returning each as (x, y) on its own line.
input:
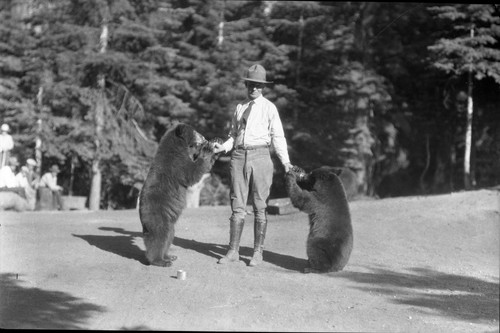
(16, 109)
(63, 62)
(471, 50)
(341, 72)
(338, 89)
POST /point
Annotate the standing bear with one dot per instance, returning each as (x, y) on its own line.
(321, 194)
(348, 179)
(182, 158)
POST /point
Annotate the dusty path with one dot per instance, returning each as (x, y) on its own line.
(419, 264)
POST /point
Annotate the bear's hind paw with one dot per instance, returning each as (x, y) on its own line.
(169, 257)
(314, 270)
(162, 263)
(309, 270)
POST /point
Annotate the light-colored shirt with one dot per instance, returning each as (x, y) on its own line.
(6, 142)
(263, 127)
(22, 180)
(50, 181)
(8, 178)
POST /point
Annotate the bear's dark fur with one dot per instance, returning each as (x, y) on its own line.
(321, 194)
(183, 156)
(348, 179)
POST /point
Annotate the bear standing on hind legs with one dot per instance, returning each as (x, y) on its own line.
(321, 195)
(182, 158)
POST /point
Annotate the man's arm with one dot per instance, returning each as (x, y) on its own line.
(50, 182)
(278, 139)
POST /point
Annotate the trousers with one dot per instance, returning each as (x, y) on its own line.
(251, 174)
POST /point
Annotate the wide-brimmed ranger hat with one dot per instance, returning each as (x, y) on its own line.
(54, 168)
(256, 73)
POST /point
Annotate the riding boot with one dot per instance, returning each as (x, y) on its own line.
(235, 230)
(260, 227)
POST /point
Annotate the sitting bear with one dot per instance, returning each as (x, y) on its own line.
(321, 195)
(182, 158)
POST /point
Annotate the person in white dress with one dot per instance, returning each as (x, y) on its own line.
(6, 144)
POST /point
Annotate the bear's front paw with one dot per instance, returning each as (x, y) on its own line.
(216, 140)
(207, 150)
(297, 172)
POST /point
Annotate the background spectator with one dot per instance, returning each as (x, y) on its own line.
(6, 144)
(8, 173)
(33, 176)
(23, 181)
(49, 180)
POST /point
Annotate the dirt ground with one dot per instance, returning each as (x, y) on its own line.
(419, 264)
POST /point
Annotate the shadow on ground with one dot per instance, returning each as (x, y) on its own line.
(217, 251)
(456, 296)
(209, 249)
(123, 245)
(34, 308)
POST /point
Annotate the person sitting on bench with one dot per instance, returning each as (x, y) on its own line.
(49, 180)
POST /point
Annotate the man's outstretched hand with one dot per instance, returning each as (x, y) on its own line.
(218, 148)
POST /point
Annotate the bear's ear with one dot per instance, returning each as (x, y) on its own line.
(180, 131)
(332, 176)
(323, 174)
(336, 171)
(185, 133)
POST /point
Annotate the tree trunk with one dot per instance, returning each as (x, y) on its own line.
(298, 68)
(468, 131)
(38, 139)
(220, 38)
(95, 186)
(365, 139)
(72, 174)
(95, 189)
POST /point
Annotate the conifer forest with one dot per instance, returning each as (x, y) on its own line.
(405, 94)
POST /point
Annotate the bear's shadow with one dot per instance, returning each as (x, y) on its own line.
(124, 246)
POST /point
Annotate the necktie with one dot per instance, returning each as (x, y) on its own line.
(246, 114)
(243, 122)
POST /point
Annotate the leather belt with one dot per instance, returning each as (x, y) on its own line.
(249, 147)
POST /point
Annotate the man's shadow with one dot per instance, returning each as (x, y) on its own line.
(217, 251)
(123, 245)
